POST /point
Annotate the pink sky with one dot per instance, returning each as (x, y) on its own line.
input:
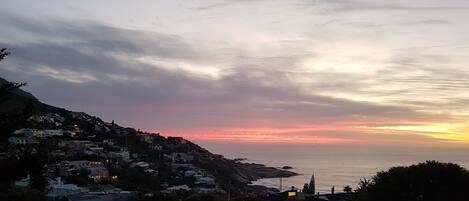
(357, 71)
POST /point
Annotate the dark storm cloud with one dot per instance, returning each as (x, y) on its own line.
(100, 37)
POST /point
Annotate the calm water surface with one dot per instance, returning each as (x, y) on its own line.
(333, 165)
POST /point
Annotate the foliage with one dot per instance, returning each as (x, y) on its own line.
(243, 198)
(161, 196)
(10, 122)
(364, 184)
(306, 188)
(347, 189)
(16, 168)
(206, 197)
(23, 195)
(8, 86)
(425, 181)
(3, 53)
(80, 180)
(5, 88)
(135, 179)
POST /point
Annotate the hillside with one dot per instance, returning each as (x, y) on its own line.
(142, 162)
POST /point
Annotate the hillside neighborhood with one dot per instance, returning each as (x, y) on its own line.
(81, 157)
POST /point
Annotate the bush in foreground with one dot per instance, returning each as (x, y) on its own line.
(425, 181)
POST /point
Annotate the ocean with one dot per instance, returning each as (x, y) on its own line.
(332, 165)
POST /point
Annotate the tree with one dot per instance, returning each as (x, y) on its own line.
(23, 195)
(11, 85)
(347, 189)
(364, 184)
(3, 53)
(429, 181)
(38, 180)
(306, 188)
(34, 164)
(12, 120)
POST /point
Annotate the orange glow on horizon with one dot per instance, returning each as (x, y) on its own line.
(393, 132)
(455, 132)
(265, 138)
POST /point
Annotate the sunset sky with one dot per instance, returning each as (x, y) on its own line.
(261, 71)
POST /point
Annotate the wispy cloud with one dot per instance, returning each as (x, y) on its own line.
(334, 82)
(337, 6)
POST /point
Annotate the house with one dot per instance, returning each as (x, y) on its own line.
(79, 115)
(112, 194)
(74, 144)
(122, 155)
(38, 133)
(141, 164)
(58, 153)
(23, 183)
(98, 128)
(178, 140)
(53, 133)
(176, 188)
(206, 190)
(50, 118)
(59, 189)
(151, 171)
(94, 148)
(148, 138)
(22, 140)
(156, 147)
(29, 132)
(109, 142)
(182, 157)
(190, 173)
(98, 172)
(79, 164)
(95, 170)
(200, 179)
(69, 133)
(71, 168)
(56, 117)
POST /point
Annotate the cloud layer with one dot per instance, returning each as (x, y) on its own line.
(347, 79)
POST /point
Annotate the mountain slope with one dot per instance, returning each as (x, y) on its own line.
(18, 106)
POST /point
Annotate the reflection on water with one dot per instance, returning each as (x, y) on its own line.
(333, 165)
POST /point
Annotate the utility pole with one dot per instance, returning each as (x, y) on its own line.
(280, 187)
(126, 141)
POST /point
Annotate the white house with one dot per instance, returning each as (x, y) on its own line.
(176, 188)
(53, 133)
(124, 155)
(204, 180)
(59, 189)
(29, 132)
(23, 183)
(140, 164)
(22, 140)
